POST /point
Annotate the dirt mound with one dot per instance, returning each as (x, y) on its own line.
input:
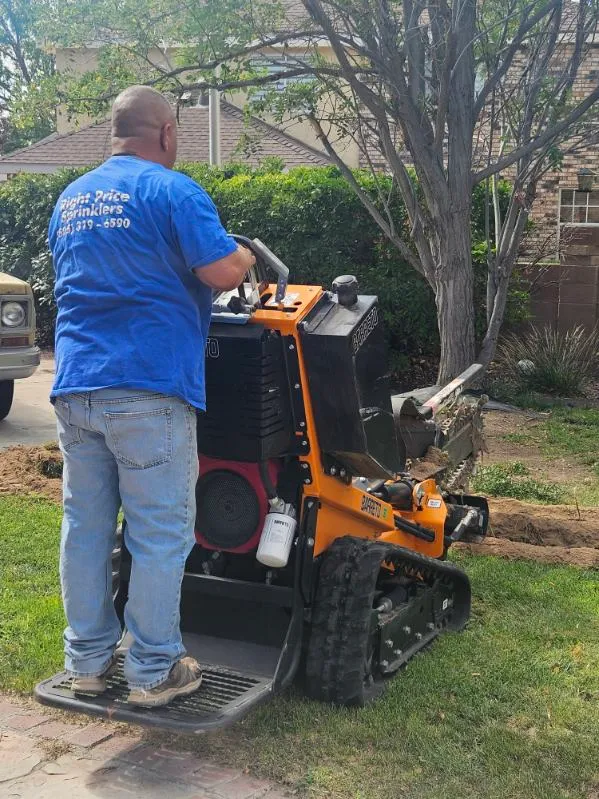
(553, 534)
(546, 533)
(544, 525)
(585, 557)
(31, 470)
(435, 460)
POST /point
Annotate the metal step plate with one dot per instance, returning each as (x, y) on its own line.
(223, 698)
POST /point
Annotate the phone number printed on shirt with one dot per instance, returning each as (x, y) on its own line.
(90, 224)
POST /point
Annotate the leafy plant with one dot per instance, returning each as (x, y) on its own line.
(552, 362)
(513, 480)
(308, 215)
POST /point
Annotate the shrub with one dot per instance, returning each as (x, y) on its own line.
(26, 204)
(309, 216)
(312, 219)
(550, 362)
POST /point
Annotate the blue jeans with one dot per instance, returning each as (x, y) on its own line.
(137, 449)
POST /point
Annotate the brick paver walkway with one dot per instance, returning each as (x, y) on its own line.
(45, 756)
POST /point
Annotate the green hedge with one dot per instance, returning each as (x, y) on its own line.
(309, 216)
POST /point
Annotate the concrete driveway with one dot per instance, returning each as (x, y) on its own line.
(31, 419)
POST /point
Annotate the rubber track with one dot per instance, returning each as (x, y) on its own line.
(342, 612)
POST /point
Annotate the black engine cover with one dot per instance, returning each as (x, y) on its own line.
(248, 415)
(346, 359)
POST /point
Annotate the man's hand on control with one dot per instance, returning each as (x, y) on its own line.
(228, 272)
(247, 253)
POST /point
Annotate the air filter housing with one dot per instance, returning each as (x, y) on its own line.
(248, 413)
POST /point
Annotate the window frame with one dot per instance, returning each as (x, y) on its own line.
(573, 206)
(284, 62)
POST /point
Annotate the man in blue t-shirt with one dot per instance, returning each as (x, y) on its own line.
(137, 251)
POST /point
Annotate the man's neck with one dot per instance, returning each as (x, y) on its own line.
(136, 148)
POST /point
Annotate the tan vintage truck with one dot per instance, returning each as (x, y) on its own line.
(19, 357)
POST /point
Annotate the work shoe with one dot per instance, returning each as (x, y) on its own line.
(94, 685)
(185, 677)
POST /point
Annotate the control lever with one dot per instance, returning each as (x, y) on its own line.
(266, 257)
(277, 266)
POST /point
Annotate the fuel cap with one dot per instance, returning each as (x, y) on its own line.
(346, 289)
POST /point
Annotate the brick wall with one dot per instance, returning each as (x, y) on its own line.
(545, 211)
(566, 294)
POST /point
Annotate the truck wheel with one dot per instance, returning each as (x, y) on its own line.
(7, 388)
(340, 661)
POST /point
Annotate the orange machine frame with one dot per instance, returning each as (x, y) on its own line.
(346, 509)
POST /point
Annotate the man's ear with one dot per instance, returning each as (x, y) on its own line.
(166, 136)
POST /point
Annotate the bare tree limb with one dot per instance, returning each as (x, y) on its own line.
(526, 25)
(534, 144)
(364, 198)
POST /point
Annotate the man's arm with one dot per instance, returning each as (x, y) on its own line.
(227, 273)
(210, 253)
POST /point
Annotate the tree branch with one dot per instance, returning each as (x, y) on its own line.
(363, 196)
(538, 142)
(526, 25)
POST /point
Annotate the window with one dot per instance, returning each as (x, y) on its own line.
(578, 207)
(274, 66)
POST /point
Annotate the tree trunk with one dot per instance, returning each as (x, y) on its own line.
(454, 279)
(454, 297)
(455, 312)
(489, 345)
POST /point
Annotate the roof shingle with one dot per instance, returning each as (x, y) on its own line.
(91, 144)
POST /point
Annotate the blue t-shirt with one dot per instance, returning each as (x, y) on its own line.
(131, 313)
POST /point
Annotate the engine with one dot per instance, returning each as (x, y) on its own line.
(249, 479)
(232, 503)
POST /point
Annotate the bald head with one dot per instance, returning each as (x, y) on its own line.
(144, 124)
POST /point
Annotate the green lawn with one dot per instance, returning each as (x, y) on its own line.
(513, 480)
(509, 709)
(568, 433)
(572, 432)
(31, 617)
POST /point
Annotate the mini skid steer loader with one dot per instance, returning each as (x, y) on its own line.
(317, 555)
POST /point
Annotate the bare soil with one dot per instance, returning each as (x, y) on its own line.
(27, 470)
(520, 530)
(544, 525)
(560, 534)
(498, 425)
(583, 557)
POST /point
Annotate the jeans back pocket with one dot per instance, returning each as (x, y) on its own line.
(141, 439)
